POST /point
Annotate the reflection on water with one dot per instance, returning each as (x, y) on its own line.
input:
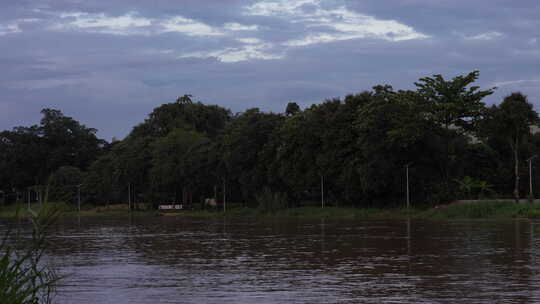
(179, 260)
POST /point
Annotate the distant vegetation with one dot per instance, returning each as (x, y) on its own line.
(356, 148)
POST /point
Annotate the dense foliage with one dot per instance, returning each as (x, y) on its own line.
(352, 151)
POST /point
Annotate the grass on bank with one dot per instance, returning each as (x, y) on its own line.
(480, 210)
(492, 210)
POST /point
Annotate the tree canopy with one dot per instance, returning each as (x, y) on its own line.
(355, 147)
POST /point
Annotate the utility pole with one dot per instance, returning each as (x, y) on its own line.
(530, 159)
(129, 197)
(408, 191)
(322, 191)
(79, 196)
(134, 198)
(224, 195)
(40, 197)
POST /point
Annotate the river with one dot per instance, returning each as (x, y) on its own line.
(243, 260)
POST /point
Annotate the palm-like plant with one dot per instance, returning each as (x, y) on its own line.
(466, 185)
(484, 188)
(470, 186)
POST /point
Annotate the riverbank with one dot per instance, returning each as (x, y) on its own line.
(70, 210)
(477, 210)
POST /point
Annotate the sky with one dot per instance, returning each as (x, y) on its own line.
(108, 64)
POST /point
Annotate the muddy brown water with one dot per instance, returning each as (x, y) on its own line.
(242, 260)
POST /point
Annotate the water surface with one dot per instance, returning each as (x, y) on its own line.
(182, 260)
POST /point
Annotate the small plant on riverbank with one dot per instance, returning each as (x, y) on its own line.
(24, 279)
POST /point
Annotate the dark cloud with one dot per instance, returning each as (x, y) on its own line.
(109, 63)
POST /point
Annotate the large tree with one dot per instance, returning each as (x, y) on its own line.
(29, 155)
(244, 143)
(393, 130)
(454, 105)
(68, 142)
(174, 164)
(511, 121)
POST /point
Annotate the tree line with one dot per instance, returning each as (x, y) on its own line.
(349, 151)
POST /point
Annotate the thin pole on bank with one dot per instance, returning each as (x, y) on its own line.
(79, 196)
(322, 191)
(224, 196)
(530, 159)
(408, 190)
(129, 197)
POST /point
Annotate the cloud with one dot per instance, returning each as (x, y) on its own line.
(518, 82)
(246, 53)
(42, 84)
(311, 21)
(9, 28)
(253, 49)
(132, 23)
(279, 7)
(485, 36)
(189, 27)
(126, 24)
(14, 27)
(233, 26)
(249, 40)
(318, 24)
(324, 24)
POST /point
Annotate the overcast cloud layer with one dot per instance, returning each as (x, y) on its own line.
(109, 63)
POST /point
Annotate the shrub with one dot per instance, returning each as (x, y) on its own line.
(24, 279)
